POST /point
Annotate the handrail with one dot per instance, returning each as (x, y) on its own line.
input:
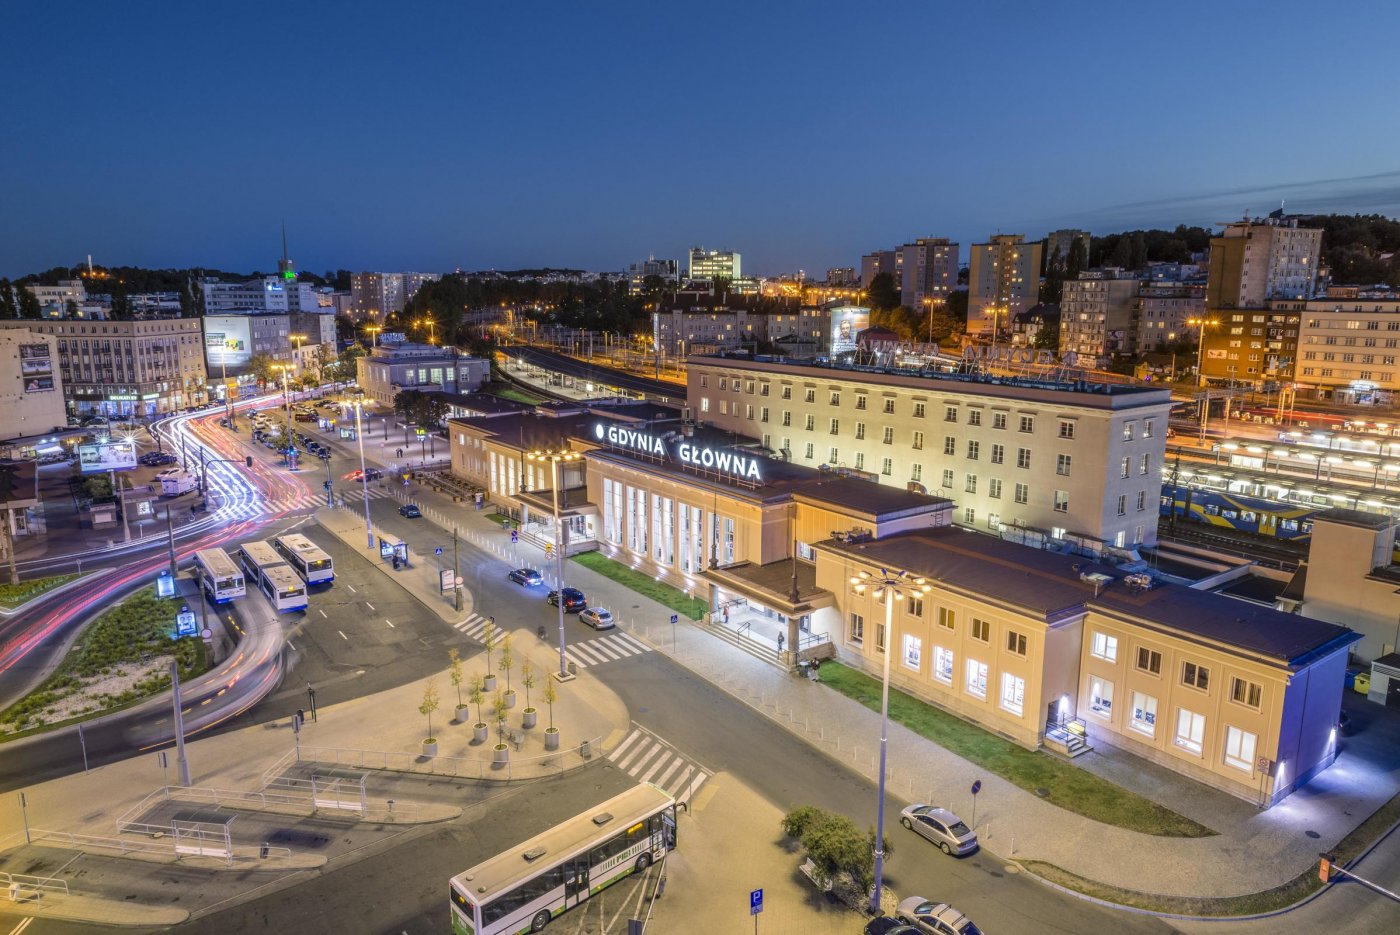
(17, 883)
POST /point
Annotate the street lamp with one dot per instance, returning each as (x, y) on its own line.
(430, 322)
(286, 404)
(374, 334)
(556, 457)
(300, 339)
(888, 587)
(1201, 325)
(364, 478)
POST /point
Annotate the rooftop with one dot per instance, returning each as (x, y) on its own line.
(1359, 518)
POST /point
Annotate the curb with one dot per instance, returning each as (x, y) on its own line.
(55, 592)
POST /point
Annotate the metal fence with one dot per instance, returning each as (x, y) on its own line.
(18, 887)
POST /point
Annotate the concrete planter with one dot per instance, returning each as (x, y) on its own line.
(488, 684)
(501, 754)
(510, 698)
(528, 718)
(551, 738)
(430, 747)
(461, 713)
(479, 733)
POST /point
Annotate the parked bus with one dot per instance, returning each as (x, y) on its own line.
(525, 887)
(306, 557)
(273, 576)
(219, 575)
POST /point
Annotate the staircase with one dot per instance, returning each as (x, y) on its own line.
(1069, 737)
(762, 651)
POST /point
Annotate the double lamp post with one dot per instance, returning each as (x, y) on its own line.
(556, 457)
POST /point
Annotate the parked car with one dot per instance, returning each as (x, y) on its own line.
(573, 600)
(411, 511)
(888, 925)
(527, 577)
(599, 618)
(930, 918)
(941, 827)
(157, 458)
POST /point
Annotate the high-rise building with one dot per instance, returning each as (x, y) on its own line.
(841, 276)
(1253, 261)
(929, 271)
(708, 264)
(374, 295)
(1098, 315)
(637, 273)
(54, 300)
(1059, 244)
(1003, 281)
(270, 294)
(881, 261)
(1165, 310)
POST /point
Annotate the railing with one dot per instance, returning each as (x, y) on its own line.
(743, 629)
(808, 640)
(127, 822)
(17, 887)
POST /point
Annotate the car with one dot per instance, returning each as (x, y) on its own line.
(369, 474)
(573, 600)
(323, 454)
(223, 422)
(931, 918)
(888, 925)
(941, 827)
(411, 511)
(527, 577)
(599, 618)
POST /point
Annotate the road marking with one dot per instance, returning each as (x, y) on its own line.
(369, 605)
(289, 643)
(352, 588)
(342, 635)
(321, 612)
(22, 926)
(389, 622)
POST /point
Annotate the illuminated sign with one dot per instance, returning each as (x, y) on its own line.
(106, 456)
(684, 452)
(847, 321)
(1017, 355)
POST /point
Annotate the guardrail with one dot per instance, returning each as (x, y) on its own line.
(18, 887)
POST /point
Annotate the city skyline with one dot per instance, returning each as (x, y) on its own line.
(490, 141)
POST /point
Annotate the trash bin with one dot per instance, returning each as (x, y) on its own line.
(585, 750)
(1362, 684)
(573, 668)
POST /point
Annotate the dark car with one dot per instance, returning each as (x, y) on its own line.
(411, 511)
(886, 925)
(526, 576)
(573, 600)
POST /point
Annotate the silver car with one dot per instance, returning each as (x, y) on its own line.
(933, 918)
(941, 827)
(599, 618)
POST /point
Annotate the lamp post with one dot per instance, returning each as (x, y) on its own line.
(1201, 325)
(299, 340)
(364, 479)
(889, 586)
(556, 457)
(223, 375)
(374, 334)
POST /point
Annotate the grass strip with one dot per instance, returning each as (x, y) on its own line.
(500, 519)
(514, 395)
(1071, 788)
(643, 584)
(13, 595)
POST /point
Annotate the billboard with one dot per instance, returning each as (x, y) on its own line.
(228, 342)
(106, 456)
(847, 321)
(36, 368)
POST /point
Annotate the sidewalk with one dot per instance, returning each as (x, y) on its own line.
(1253, 851)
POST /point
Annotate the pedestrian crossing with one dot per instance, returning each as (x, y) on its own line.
(608, 648)
(474, 626)
(647, 758)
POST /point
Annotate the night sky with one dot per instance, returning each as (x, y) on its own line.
(473, 135)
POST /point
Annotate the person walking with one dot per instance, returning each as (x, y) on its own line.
(781, 638)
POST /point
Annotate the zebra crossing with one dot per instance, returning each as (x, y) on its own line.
(605, 649)
(474, 626)
(647, 758)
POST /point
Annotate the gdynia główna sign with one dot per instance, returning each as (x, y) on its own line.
(684, 452)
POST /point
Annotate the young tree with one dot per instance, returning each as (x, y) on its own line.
(476, 696)
(551, 695)
(9, 307)
(454, 672)
(883, 293)
(261, 367)
(28, 303)
(507, 660)
(429, 705)
(489, 635)
(527, 678)
(500, 709)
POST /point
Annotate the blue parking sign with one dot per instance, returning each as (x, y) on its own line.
(755, 903)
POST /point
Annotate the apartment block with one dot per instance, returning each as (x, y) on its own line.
(929, 271)
(681, 332)
(1003, 281)
(1348, 348)
(1164, 310)
(881, 261)
(1098, 315)
(1252, 262)
(1252, 345)
(637, 273)
(1060, 243)
(374, 295)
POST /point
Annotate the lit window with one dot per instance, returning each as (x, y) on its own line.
(1144, 714)
(913, 649)
(977, 678)
(1239, 748)
(1104, 647)
(943, 664)
(1013, 693)
(1190, 730)
(1101, 696)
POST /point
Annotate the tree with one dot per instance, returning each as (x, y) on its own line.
(507, 661)
(500, 708)
(476, 695)
(454, 672)
(883, 294)
(1078, 259)
(527, 678)
(551, 695)
(489, 635)
(956, 306)
(263, 369)
(1122, 255)
(429, 705)
(9, 307)
(1137, 252)
(834, 843)
(1048, 337)
(28, 304)
(938, 325)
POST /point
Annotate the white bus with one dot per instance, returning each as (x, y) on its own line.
(306, 557)
(273, 576)
(527, 886)
(220, 577)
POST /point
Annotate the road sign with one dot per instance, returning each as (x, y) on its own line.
(437, 551)
(514, 536)
(165, 585)
(675, 618)
(548, 548)
(207, 635)
(755, 902)
(976, 786)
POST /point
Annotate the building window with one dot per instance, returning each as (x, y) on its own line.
(981, 630)
(950, 445)
(860, 400)
(887, 467)
(1023, 493)
(969, 516)
(974, 417)
(835, 457)
(860, 431)
(970, 485)
(1122, 508)
(810, 396)
(704, 380)
(860, 460)
(913, 649)
(1197, 676)
(857, 631)
(889, 405)
(998, 420)
(1013, 693)
(787, 417)
(811, 423)
(763, 414)
(914, 606)
(974, 449)
(1125, 466)
(1190, 730)
(1027, 424)
(918, 441)
(810, 451)
(1101, 696)
(1128, 431)
(948, 478)
(1141, 504)
(1104, 647)
(977, 678)
(943, 664)
(1062, 464)
(1066, 428)
(918, 410)
(916, 472)
(1023, 458)
(888, 435)
(1149, 660)
(835, 399)
(1062, 501)
(1144, 463)
(998, 454)
(1239, 748)
(945, 618)
(787, 392)
(704, 404)
(994, 488)
(1147, 427)
(1016, 642)
(1246, 692)
(835, 426)
(1144, 714)
(879, 637)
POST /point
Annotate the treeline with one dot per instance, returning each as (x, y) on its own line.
(598, 306)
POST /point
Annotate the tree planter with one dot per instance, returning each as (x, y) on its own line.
(461, 713)
(528, 718)
(551, 738)
(502, 753)
(430, 747)
(510, 698)
(479, 733)
(488, 683)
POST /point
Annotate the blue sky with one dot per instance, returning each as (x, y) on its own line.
(426, 135)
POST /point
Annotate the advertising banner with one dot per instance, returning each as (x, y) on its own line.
(106, 456)
(847, 321)
(36, 368)
(228, 342)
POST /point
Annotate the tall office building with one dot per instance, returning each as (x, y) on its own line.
(929, 271)
(1252, 262)
(881, 261)
(707, 264)
(374, 295)
(1003, 281)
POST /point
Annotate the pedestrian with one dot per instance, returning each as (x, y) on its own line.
(780, 643)
(726, 616)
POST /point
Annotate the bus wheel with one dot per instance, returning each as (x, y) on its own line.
(540, 921)
(643, 862)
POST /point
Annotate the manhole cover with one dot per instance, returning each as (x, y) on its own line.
(1043, 792)
(1312, 834)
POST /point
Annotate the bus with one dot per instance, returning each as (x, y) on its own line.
(273, 576)
(306, 557)
(219, 575)
(525, 887)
